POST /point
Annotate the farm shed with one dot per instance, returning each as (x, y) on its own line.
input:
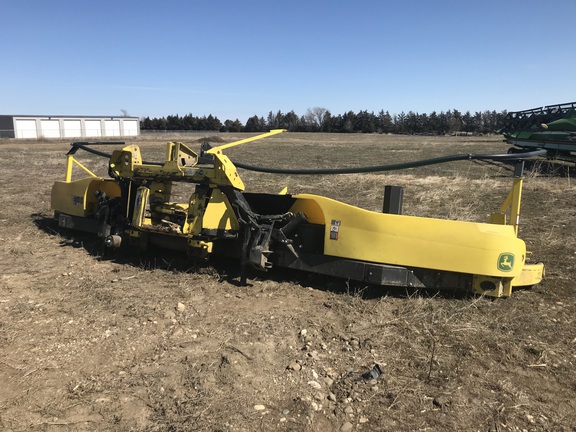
(30, 126)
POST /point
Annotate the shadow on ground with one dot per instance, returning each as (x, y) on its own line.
(226, 269)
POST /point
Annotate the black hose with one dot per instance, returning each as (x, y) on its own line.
(392, 167)
(354, 170)
(85, 146)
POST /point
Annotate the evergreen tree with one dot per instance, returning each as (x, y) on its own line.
(321, 119)
(327, 122)
(290, 121)
(400, 123)
(252, 124)
(365, 122)
(384, 122)
(213, 123)
(348, 122)
(146, 123)
(433, 124)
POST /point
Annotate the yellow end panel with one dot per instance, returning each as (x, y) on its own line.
(464, 247)
(70, 197)
(219, 213)
(77, 197)
(532, 274)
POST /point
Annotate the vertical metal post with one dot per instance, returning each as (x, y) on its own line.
(69, 165)
(393, 200)
(516, 195)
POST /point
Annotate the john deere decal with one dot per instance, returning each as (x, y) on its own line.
(506, 262)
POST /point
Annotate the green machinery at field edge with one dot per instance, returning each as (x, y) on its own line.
(552, 128)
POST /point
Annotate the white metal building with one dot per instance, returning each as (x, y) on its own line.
(34, 127)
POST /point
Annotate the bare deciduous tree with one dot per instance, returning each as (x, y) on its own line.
(315, 116)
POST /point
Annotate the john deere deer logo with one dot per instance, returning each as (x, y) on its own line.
(506, 262)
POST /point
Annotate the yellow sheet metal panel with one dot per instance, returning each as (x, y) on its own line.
(219, 213)
(466, 247)
(307, 204)
(77, 197)
(70, 197)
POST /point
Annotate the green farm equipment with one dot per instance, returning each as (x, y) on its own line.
(552, 128)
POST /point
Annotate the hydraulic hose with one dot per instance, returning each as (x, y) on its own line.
(352, 170)
(392, 167)
(86, 147)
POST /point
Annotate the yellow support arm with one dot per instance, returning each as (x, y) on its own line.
(512, 201)
(219, 149)
(225, 171)
(70, 161)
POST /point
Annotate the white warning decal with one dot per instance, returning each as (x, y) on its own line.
(334, 229)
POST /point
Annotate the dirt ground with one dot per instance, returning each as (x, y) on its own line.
(132, 342)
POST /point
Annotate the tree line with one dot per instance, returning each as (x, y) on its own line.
(322, 120)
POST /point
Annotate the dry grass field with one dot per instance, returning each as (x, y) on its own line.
(132, 342)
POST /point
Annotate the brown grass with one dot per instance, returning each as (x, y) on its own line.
(99, 344)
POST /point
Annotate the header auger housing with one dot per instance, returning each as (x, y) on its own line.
(305, 232)
(552, 128)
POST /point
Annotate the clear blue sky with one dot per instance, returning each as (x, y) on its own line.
(234, 59)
